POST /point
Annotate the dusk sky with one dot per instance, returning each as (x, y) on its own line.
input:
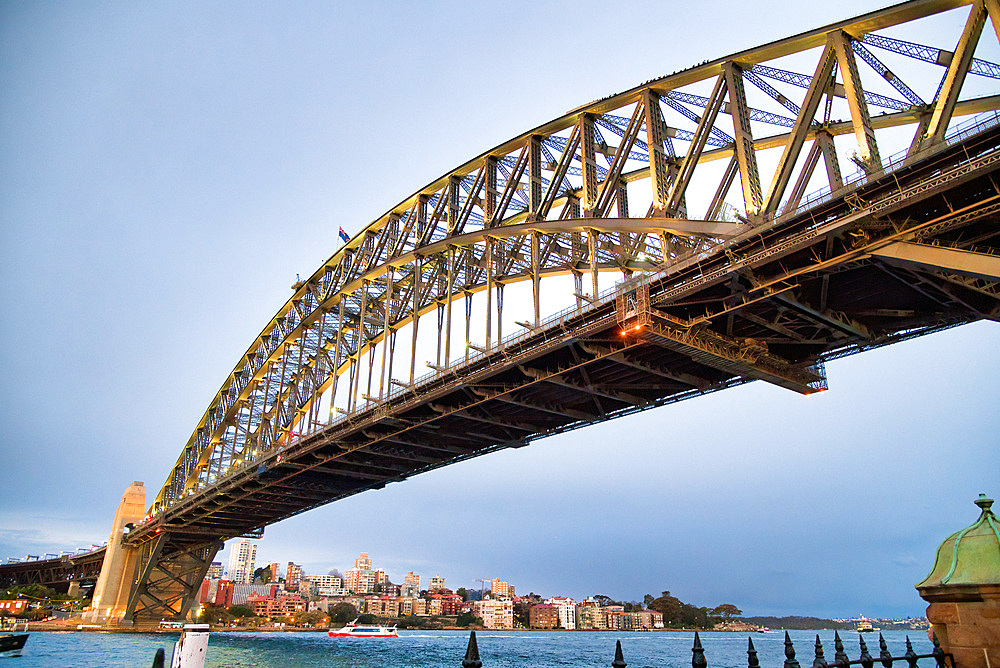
(167, 170)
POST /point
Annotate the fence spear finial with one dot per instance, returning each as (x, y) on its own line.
(866, 659)
(790, 661)
(752, 660)
(698, 654)
(619, 661)
(471, 659)
(819, 661)
(910, 656)
(840, 656)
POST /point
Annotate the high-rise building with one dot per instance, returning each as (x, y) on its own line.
(362, 579)
(293, 574)
(214, 571)
(241, 561)
(501, 588)
(411, 586)
(273, 566)
(436, 582)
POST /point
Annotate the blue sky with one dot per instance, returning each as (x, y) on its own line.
(167, 170)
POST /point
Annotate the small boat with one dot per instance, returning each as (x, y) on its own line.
(865, 627)
(12, 642)
(355, 630)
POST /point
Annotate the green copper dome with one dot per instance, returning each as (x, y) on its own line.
(970, 556)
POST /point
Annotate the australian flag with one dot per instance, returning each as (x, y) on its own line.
(343, 235)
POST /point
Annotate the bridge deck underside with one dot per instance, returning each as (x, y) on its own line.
(770, 306)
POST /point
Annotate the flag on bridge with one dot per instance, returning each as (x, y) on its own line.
(344, 235)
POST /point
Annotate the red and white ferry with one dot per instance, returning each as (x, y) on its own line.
(355, 630)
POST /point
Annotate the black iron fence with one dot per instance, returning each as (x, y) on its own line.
(840, 657)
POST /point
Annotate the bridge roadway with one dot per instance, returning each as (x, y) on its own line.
(878, 264)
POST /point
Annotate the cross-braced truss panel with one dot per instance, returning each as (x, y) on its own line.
(657, 182)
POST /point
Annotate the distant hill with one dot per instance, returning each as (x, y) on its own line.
(799, 623)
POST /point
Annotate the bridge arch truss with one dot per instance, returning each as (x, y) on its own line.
(735, 200)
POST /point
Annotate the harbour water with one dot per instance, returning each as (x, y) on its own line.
(441, 649)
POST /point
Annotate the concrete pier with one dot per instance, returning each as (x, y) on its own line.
(118, 569)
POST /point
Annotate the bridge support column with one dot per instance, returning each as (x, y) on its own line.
(118, 569)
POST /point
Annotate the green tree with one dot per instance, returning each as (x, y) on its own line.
(342, 613)
(263, 574)
(461, 591)
(647, 599)
(215, 614)
(310, 618)
(605, 601)
(241, 611)
(669, 606)
(367, 618)
(726, 610)
(467, 619)
(410, 622)
(522, 613)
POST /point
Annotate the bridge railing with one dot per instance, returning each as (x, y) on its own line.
(938, 657)
(894, 162)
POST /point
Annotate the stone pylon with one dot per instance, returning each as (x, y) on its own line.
(118, 568)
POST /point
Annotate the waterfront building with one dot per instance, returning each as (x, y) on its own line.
(382, 606)
(321, 604)
(444, 602)
(641, 620)
(14, 607)
(496, 613)
(436, 582)
(293, 574)
(307, 589)
(419, 606)
(285, 604)
(648, 619)
(543, 616)
(566, 610)
(591, 618)
(501, 588)
(411, 586)
(612, 617)
(240, 592)
(214, 571)
(275, 572)
(326, 581)
(241, 561)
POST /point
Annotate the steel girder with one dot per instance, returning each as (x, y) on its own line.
(554, 201)
(56, 573)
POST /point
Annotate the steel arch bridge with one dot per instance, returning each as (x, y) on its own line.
(810, 198)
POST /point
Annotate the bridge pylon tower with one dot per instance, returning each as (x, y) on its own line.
(117, 577)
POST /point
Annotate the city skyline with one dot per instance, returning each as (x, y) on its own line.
(167, 172)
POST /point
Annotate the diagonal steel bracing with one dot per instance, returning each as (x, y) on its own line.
(743, 284)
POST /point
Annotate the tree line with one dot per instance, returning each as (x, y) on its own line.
(676, 613)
